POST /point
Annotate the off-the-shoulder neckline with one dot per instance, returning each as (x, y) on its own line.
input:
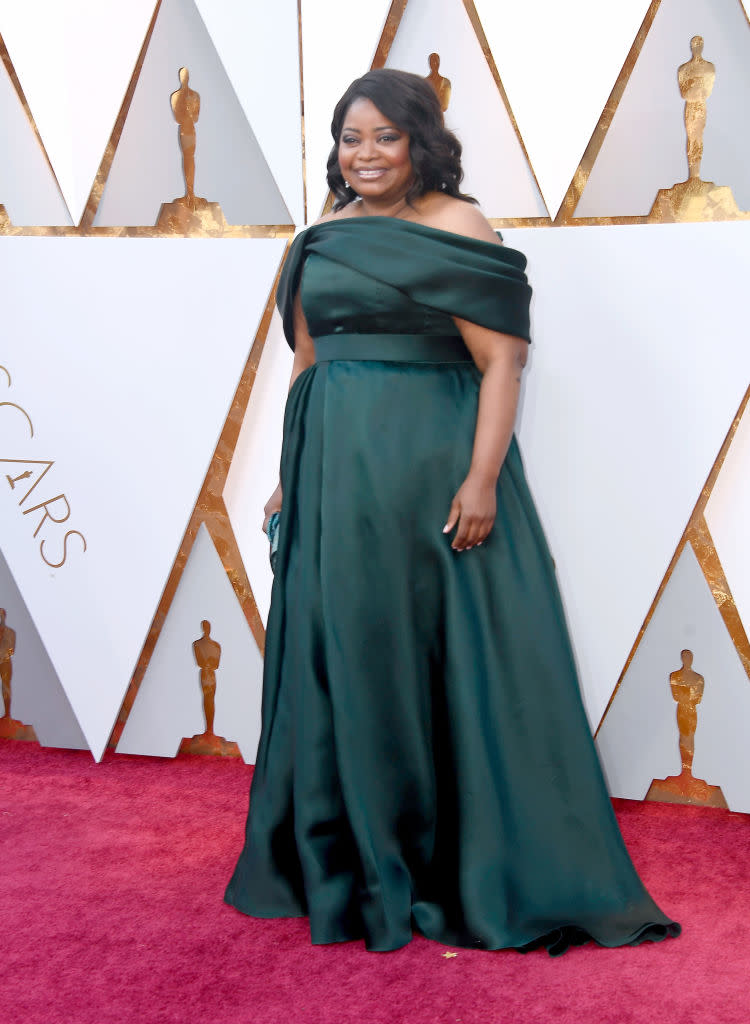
(406, 223)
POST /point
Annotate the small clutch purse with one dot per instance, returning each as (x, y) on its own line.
(272, 532)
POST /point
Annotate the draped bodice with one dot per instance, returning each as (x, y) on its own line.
(386, 275)
(339, 299)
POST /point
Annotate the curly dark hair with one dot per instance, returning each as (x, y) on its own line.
(411, 104)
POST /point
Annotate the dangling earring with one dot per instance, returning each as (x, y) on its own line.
(346, 184)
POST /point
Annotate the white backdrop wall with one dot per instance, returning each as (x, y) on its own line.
(147, 169)
(125, 354)
(614, 458)
(124, 371)
(74, 60)
(38, 698)
(27, 183)
(558, 63)
(644, 712)
(645, 146)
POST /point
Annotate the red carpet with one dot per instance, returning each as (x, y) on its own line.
(111, 883)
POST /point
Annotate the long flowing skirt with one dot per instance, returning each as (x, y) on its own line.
(425, 762)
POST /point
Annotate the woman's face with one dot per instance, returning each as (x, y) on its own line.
(374, 153)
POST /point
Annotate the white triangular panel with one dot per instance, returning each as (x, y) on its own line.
(639, 739)
(124, 355)
(496, 170)
(28, 189)
(645, 147)
(169, 703)
(558, 63)
(74, 61)
(728, 516)
(254, 472)
(259, 47)
(338, 45)
(229, 166)
(37, 698)
(623, 414)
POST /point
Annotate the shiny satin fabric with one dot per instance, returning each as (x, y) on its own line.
(425, 760)
(409, 272)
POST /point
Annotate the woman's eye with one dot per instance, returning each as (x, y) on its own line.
(349, 141)
(388, 138)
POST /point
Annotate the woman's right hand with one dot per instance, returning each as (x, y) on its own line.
(272, 505)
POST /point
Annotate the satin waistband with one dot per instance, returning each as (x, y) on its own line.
(399, 348)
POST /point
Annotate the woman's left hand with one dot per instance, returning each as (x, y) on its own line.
(473, 508)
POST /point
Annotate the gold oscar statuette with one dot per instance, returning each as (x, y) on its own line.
(441, 85)
(687, 690)
(695, 199)
(4, 220)
(189, 214)
(207, 653)
(10, 728)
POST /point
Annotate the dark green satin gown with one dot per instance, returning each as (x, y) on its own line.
(425, 761)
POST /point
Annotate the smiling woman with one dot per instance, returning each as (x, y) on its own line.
(425, 761)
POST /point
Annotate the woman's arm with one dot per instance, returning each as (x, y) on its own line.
(304, 356)
(501, 359)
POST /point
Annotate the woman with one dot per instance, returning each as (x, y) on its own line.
(425, 762)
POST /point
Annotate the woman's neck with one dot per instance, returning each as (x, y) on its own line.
(393, 208)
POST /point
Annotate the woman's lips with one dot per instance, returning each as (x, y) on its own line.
(370, 173)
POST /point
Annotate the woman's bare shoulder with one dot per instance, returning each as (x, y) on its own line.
(349, 210)
(459, 217)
